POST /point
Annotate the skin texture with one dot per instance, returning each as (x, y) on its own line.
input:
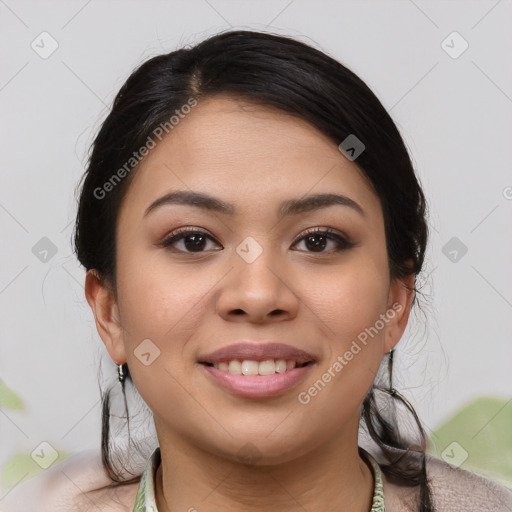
(190, 303)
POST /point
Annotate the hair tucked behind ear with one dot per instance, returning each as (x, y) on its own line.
(114, 474)
(287, 74)
(125, 460)
(406, 458)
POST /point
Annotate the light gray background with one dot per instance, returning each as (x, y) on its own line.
(455, 115)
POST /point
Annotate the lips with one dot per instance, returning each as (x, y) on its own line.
(257, 352)
(256, 370)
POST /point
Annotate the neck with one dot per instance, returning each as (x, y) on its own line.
(332, 476)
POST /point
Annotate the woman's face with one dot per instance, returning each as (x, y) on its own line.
(252, 273)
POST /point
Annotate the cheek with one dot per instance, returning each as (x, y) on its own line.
(348, 299)
(162, 303)
(161, 300)
(350, 306)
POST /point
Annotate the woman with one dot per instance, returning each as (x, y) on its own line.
(252, 229)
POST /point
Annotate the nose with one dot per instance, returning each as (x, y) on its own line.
(258, 292)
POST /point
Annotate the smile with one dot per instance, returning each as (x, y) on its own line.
(255, 385)
(250, 367)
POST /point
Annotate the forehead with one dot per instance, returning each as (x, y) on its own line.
(247, 151)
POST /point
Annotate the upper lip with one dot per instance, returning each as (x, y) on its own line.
(257, 351)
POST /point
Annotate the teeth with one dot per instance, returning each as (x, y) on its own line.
(235, 367)
(266, 367)
(248, 367)
(281, 365)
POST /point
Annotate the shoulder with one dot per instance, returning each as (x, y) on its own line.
(78, 483)
(453, 489)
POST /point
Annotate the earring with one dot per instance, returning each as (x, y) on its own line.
(392, 390)
(120, 372)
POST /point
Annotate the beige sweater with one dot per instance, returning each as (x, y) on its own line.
(79, 484)
(454, 489)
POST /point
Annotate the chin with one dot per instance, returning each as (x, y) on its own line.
(262, 449)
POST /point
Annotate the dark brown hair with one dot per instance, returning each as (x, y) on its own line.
(287, 74)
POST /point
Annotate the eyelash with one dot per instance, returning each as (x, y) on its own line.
(342, 242)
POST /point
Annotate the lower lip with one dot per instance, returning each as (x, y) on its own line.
(258, 386)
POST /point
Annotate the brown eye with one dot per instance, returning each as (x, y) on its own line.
(317, 239)
(193, 240)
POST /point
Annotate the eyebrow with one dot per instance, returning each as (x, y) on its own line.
(287, 208)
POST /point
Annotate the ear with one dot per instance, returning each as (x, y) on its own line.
(401, 295)
(102, 301)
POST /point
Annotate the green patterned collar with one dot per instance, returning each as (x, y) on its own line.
(378, 490)
(145, 500)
